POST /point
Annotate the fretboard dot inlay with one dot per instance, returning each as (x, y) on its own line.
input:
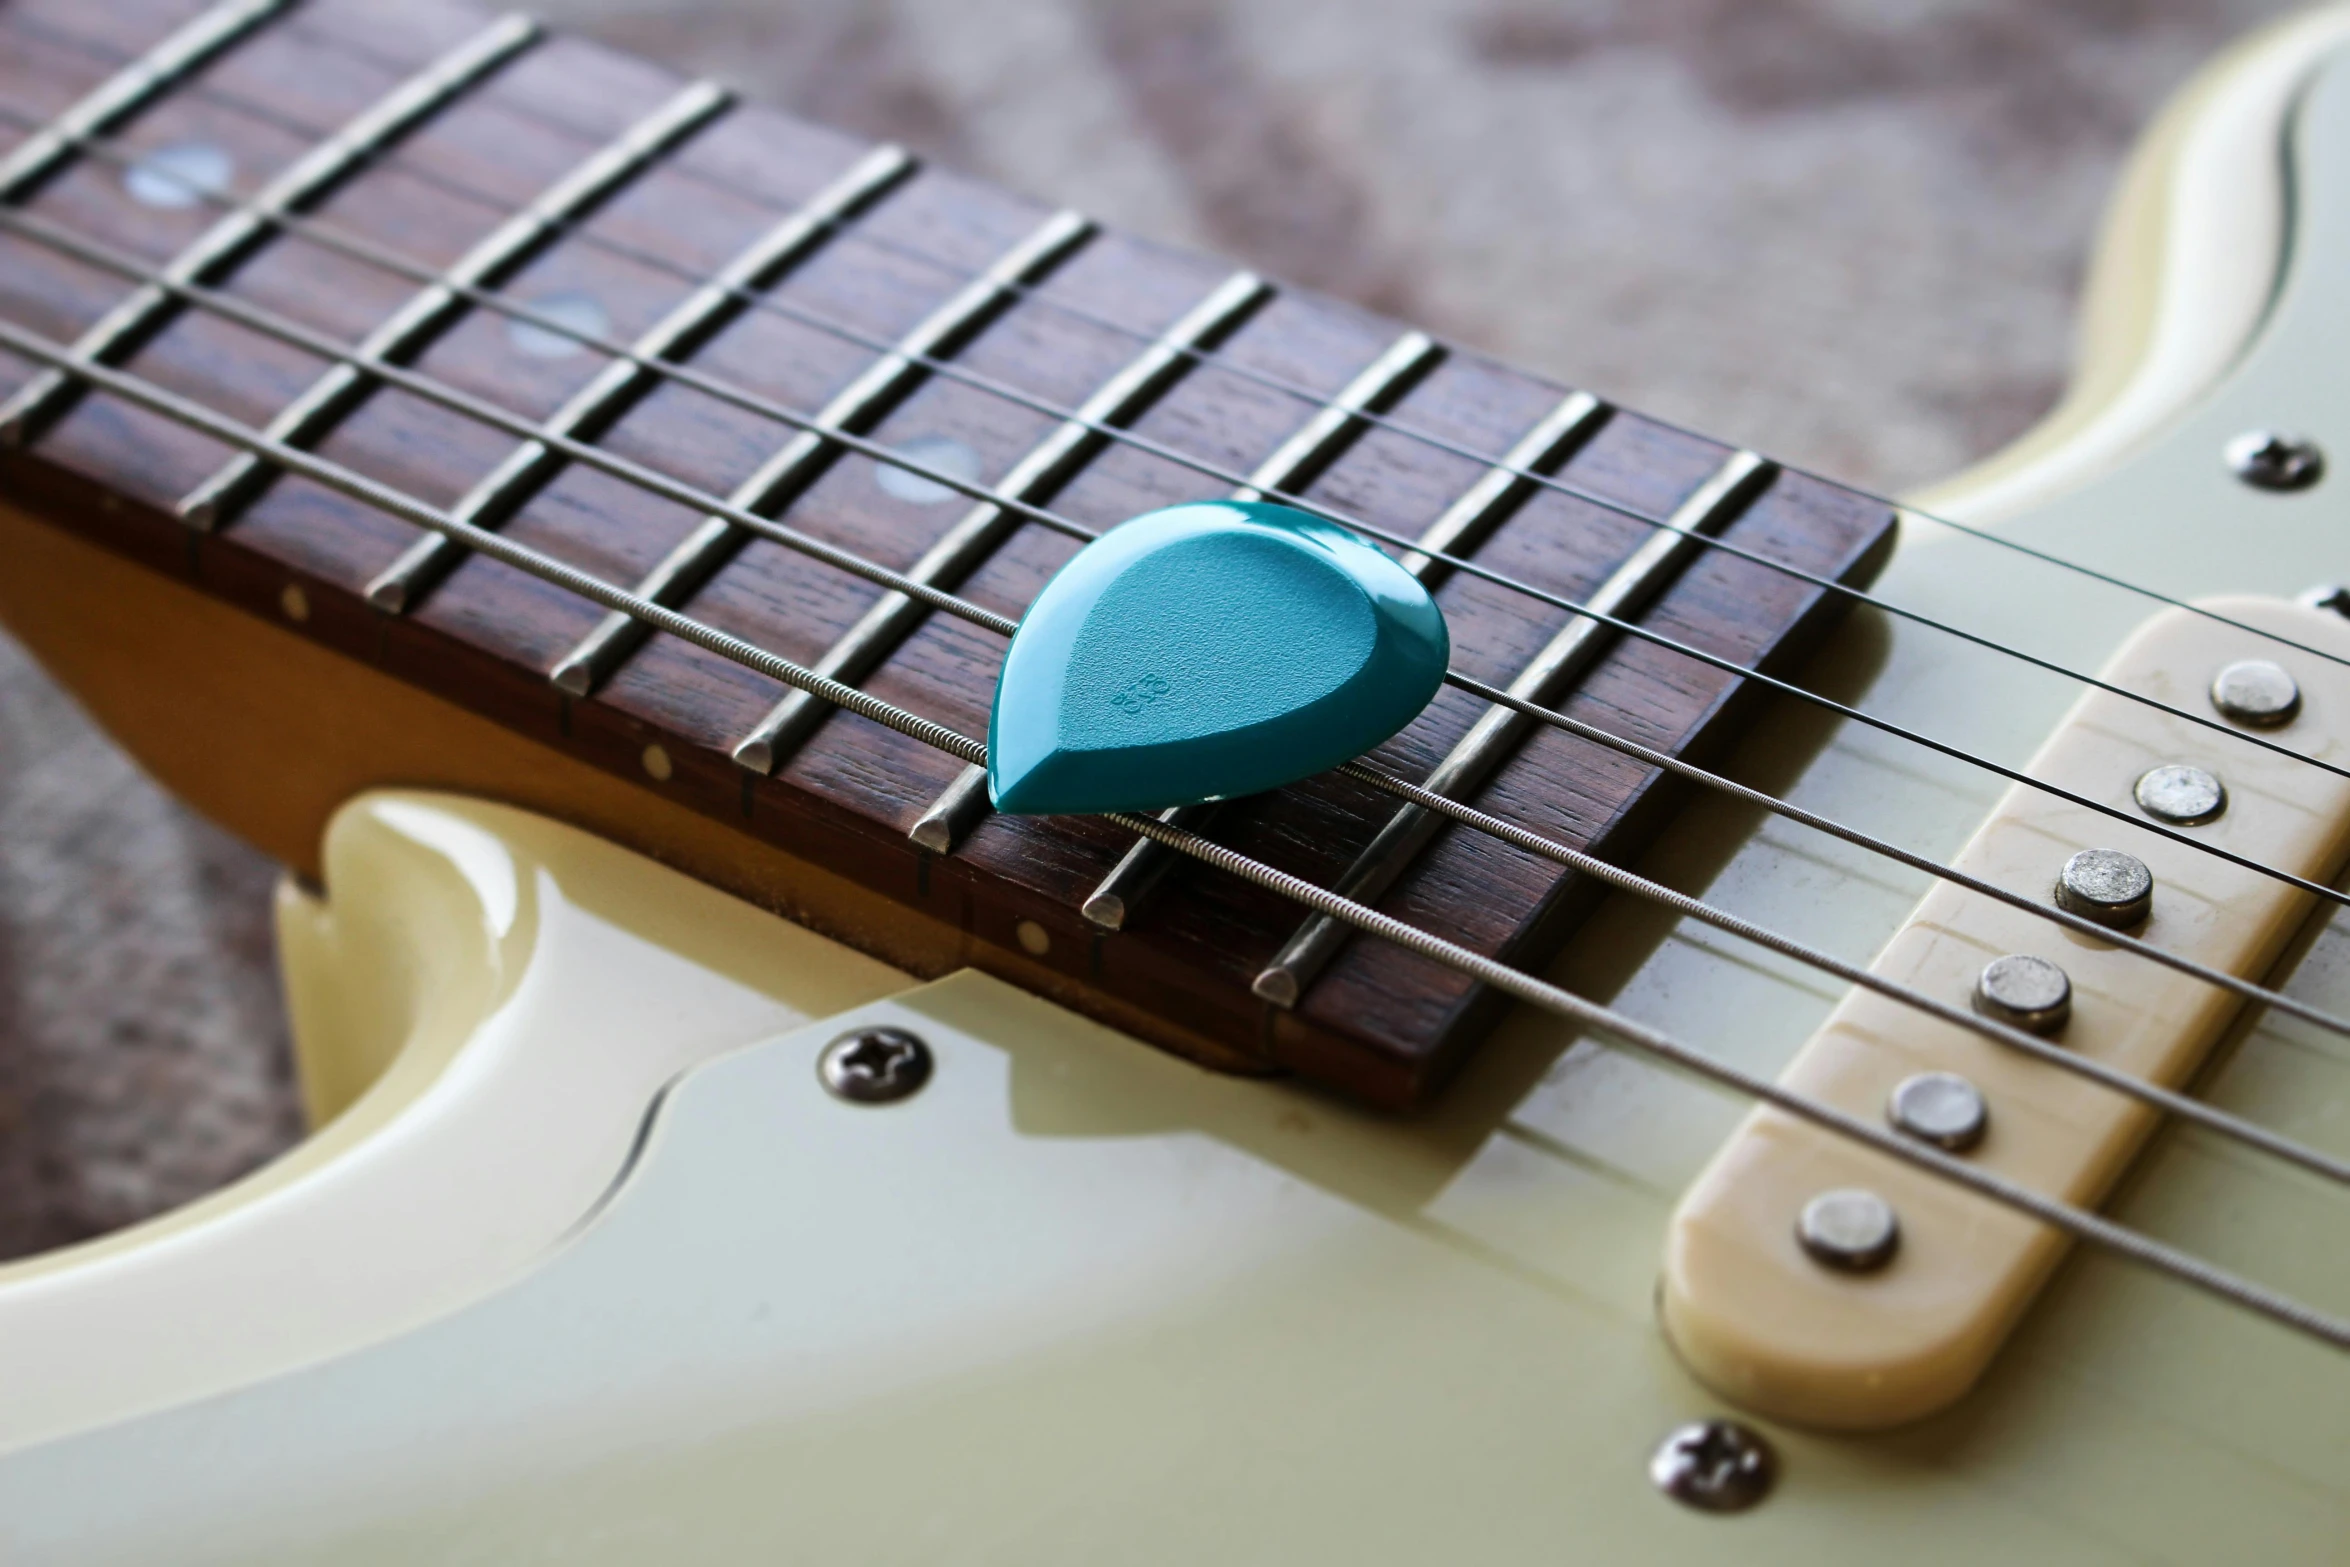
(943, 453)
(581, 312)
(180, 175)
(882, 581)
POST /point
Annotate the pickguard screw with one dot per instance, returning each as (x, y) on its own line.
(1715, 1466)
(1850, 1229)
(874, 1066)
(2273, 460)
(2108, 886)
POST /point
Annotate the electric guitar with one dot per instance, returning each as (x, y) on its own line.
(1826, 1040)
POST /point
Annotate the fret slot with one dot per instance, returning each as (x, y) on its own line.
(1496, 735)
(1123, 399)
(1292, 468)
(129, 92)
(856, 410)
(826, 835)
(959, 808)
(237, 235)
(604, 401)
(1496, 497)
(404, 337)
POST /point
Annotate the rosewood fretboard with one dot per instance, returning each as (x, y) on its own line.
(787, 262)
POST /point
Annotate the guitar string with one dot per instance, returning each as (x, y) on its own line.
(676, 490)
(769, 303)
(329, 349)
(1033, 293)
(2119, 1240)
(1178, 846)
(330, 235)
(469, 405)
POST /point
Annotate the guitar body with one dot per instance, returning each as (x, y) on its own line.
(584, 1263)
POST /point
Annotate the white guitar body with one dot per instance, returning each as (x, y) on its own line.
(584, 1263)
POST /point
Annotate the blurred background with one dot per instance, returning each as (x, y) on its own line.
(1847, 233)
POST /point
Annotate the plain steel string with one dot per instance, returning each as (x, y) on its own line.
(327, 234)
(938, 600)
(1273, 381)
(2118, 1239)
(483, 411)
(329, 349)
(948, 369)
(311, 341)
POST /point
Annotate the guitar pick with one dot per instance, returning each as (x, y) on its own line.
(1205, 651)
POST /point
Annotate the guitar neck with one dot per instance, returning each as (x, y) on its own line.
(863, 411)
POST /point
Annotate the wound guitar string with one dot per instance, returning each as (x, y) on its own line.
(392, 157)
(2153, 952)
(494, 304)
(332, 237)
(1534, 477)
(1531, 475)
(2116, 1239)
(2162, 1099)
(2077, 1222)
(231, 308)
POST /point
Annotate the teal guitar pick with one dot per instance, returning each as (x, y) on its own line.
(1206, 651)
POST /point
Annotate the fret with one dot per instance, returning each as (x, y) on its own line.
(1292, 467)
(129, 92)
(827, 833)
(1320, 441)
(599, 405)
(1123, 399)
(947, 820)
(1491, 501)
(408, 332)
(855, 410)
(1651, 568)
(221, 248)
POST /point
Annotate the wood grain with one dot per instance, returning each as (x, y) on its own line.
(1379, 1024)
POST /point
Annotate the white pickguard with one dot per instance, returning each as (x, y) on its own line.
(1079, 1302)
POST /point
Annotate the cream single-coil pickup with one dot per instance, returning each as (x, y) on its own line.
(1821, 1283)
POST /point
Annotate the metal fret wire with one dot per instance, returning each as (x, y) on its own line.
(1319, 442)
(2181, 1105)
(1489, 744)
(230, 307)
(660, 484)
(243, 229)
(804, 460)
(950, 371)
(685, 375)
(1275, 382)
(139, 83)
(784, 249)
(2251, 1135)
(530, 467)
(1036, 478)
(2118, 1239)
(489, 262)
